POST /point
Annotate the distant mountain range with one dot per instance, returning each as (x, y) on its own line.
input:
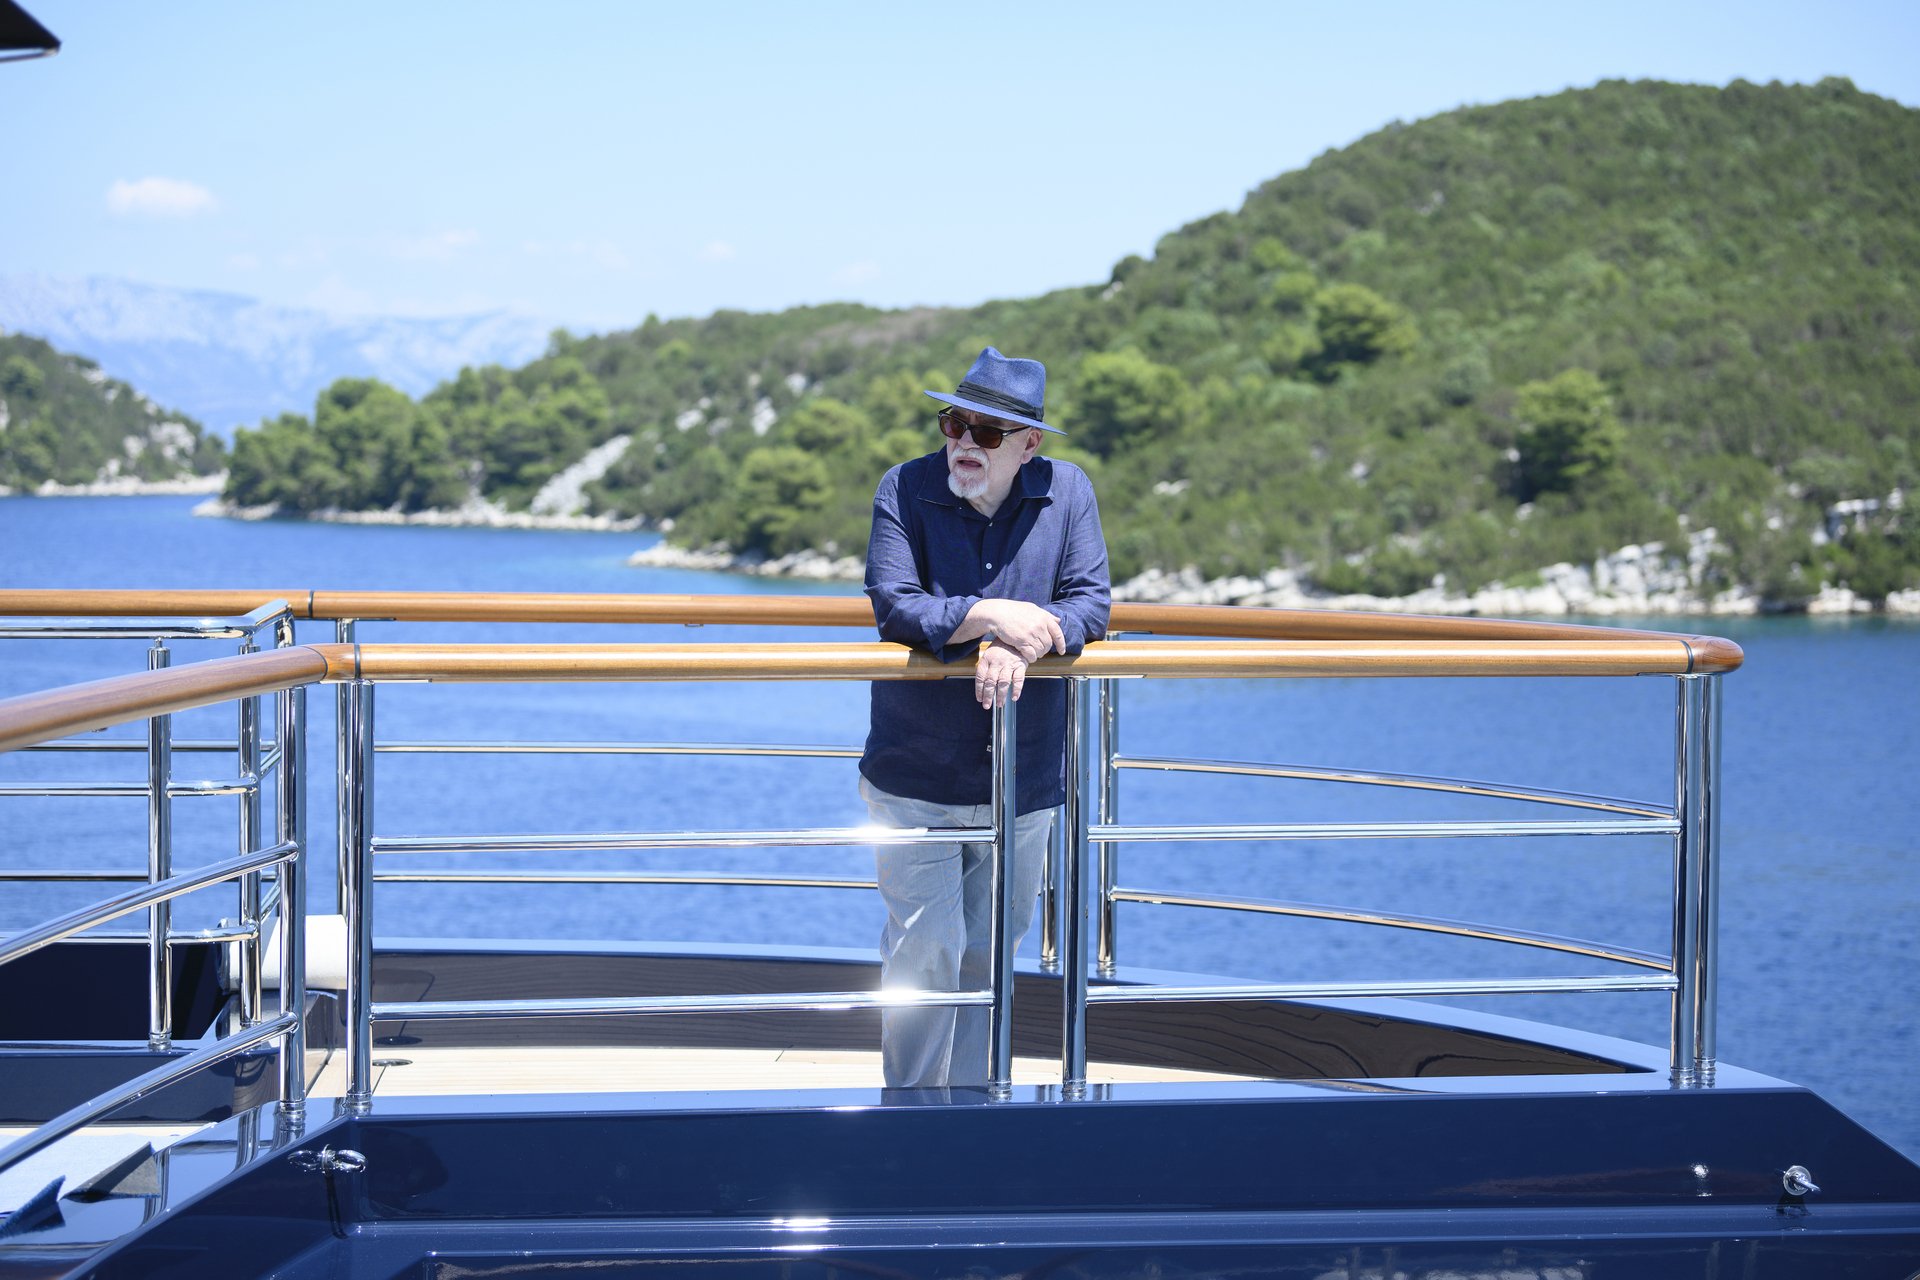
(230, 361)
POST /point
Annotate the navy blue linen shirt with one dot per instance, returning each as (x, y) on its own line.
(930, 559)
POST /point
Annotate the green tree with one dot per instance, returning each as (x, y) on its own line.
(1357, 327)
(1123, 399)
(778, 491)
(283, 463)
(1571, 436)
(368, 427)
(20, 382)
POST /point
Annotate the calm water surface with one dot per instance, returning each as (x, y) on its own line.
(1820, 968)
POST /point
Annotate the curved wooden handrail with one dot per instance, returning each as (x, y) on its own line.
(1172, 659)
(1711, 654)
(39, 717)
(98, 704)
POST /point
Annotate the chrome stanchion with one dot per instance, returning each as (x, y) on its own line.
(1073, 891)
(1000, 958)
(1107, 804)
(343, 633)
(291, 828)
(1050, 899)
(249, 951)
(159, 866)
(356, 902)
(1688, 792)
(1707, 880)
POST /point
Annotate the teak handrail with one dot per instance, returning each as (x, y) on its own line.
(1109, 659)
(1711, 654)
(55, 713)
(99, 704)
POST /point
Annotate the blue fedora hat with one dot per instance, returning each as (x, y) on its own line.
(1003, 388)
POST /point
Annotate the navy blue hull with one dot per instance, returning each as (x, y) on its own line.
(1281, 1181)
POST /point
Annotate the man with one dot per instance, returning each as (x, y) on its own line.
(983, 547)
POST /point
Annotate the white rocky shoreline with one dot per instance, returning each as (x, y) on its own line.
(475, 514)
(126, 487)
(1635, 581)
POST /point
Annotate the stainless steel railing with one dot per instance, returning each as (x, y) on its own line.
(255, 762)
(1092, 857)
(1688, 971)
(360, 846)
(1084, 877)
(283, 856)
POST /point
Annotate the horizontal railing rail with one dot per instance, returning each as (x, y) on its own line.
(607, 1006)
(1387, 919)
(135, 745)
(124, 790)
(16, 945)
(1107, 659)
(280, 1027)
(745, 749)
(246, 626)
(1408, 781)
(1712, 653)
(739, 878)
(1119, 833)
(796, 838)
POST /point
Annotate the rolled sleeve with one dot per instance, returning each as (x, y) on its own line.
(903, 610)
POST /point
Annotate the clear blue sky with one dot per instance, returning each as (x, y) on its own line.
(587, 163)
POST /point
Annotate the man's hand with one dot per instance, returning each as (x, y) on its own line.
(998, 676)
(1025, 628)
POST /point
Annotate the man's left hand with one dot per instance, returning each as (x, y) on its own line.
(998, 676)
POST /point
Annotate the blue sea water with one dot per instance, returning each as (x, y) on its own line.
(1820, 969)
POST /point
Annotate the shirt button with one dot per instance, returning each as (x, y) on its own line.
(989, 564)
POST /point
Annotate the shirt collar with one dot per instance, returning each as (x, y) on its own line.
(1033, 480)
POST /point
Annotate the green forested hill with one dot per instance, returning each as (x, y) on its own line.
(1493, 340)
(62, 419)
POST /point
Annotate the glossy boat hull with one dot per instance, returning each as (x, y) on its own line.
(1389, 1138)
(1257, 1180)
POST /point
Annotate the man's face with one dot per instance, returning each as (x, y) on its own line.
(973, 472)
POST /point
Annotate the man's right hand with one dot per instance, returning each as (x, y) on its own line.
(998, 676)
(1025, 628)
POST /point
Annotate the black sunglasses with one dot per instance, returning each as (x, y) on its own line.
(953, 427)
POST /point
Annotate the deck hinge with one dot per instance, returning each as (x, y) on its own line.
(328, 1161)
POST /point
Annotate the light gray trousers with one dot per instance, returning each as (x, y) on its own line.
(939, 932)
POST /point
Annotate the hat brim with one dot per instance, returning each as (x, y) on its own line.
(989, 411)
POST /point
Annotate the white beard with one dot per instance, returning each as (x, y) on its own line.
(968, 487)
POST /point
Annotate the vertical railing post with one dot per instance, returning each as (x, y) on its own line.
(248, 740)
(1689, 758)
(343, 633)
(1000, 958)
(291, 828)
(1706, 948)
(1050, 898)
(1107, 803)
(1073, 890)
(159, 866)
(356, 901)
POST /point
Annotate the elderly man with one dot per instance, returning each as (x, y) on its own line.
(984, 547)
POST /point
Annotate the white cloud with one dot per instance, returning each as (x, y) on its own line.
(717, 251)
(435, 246)
(857, 273)
(159, 198)
(244, 261)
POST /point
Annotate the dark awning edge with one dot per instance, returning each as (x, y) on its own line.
(22, 36)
